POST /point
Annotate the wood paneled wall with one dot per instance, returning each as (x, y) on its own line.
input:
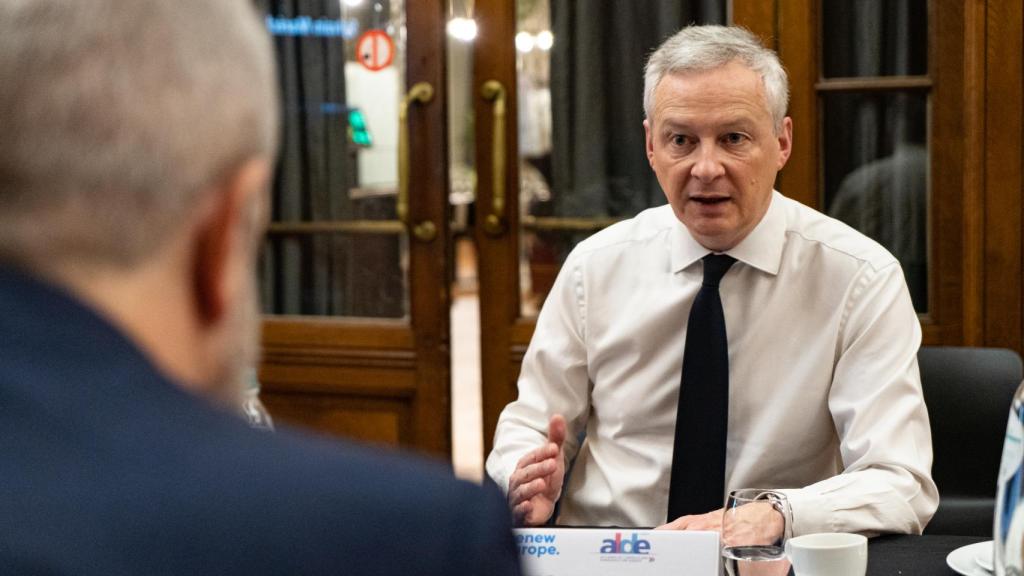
(976, 224)
(1003, 285)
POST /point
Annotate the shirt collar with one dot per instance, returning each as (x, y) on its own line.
(761, 249)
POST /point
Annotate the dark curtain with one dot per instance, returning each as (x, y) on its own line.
(322, 274)
(598, 164)
(876, 157)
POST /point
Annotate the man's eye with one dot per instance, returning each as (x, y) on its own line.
(679, 139)
(735, 138)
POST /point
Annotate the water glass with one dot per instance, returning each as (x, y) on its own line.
(755, 527)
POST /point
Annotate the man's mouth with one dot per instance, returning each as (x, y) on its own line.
(709, 200)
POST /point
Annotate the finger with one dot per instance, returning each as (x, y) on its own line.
(521, 512)
(527, 491)
(532, 472)
(677, 524)
(557, 430)
(699, 523)
(537, 455)
(709, 521)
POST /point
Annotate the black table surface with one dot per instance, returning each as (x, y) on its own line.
(914, 555)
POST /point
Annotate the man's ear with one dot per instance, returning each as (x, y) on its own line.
(648, 137)
(223, 239)
(785, 137)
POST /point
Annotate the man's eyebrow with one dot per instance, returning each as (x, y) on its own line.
(675, 126)
(742, 123)
(738, 123)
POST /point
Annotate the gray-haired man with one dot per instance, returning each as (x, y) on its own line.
(819, 386)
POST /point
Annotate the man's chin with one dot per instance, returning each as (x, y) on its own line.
(713, 234)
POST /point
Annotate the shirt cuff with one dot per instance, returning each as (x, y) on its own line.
(496, 469)
(811, 511)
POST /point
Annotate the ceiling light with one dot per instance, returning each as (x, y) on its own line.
(462, 29)
(524, 42)
(545, 40)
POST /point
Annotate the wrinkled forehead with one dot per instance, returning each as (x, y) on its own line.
(730, 90)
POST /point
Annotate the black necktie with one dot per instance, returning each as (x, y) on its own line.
(702, 417)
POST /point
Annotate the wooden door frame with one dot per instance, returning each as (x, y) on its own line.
(1003, 155)
(494, 58)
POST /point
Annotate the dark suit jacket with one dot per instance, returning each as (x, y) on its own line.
(107, 467)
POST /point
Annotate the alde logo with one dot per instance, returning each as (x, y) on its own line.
(635, 545)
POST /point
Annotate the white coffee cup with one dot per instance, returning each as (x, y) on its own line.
(828, 554)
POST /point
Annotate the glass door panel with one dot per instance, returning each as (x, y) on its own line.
(335, 246)
(874, 127)
(876, 174)
(581, 159)
(881, 38)
(355, 338)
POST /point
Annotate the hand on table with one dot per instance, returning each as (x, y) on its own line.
(709, 521)
(757, 522)
(536, 483)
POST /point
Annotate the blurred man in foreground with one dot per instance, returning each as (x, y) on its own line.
(138, 137)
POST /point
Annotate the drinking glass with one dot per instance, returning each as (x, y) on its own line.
(755, 526)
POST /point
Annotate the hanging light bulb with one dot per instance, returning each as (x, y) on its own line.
(525, 42)
(545, 40)
(462, 28)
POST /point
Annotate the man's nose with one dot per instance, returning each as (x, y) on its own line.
(708, 165)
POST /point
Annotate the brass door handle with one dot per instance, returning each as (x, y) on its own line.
(421, 92)
(494, 223)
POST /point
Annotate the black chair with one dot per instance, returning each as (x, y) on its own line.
(968, 392)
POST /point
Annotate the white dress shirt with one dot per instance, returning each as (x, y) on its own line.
(824, 392)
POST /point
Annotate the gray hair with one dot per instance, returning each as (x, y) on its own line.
(116, 115)
(702, 48)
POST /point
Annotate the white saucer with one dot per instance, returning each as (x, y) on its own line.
(968, 560)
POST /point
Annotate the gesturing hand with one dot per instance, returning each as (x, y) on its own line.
(536, 483)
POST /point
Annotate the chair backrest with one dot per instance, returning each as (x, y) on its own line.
(968, 392)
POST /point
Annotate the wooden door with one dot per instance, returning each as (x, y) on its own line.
(971, 80)
(355, 267)
(878, 107)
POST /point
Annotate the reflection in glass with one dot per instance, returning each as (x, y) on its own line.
(461, 133)
(581, 136)
(876, 174)
(338, 160)
(877, 38)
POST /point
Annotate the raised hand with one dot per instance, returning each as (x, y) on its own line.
(536, 483)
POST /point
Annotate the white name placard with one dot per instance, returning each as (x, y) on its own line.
(617, 552)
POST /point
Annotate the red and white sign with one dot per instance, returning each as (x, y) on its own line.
(375, 50)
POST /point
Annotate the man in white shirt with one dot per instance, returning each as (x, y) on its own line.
(824, 396)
